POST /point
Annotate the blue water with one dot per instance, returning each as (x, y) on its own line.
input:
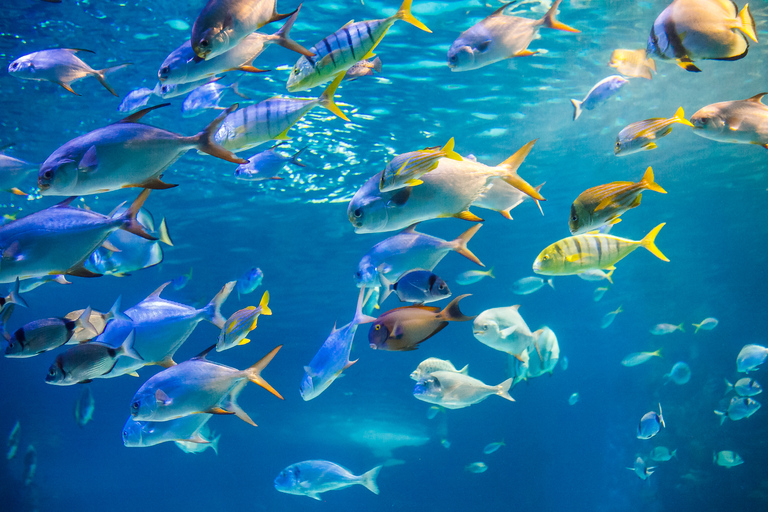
(557, 457)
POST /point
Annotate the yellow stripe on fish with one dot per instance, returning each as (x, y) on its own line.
(639, 136)
(406, 169)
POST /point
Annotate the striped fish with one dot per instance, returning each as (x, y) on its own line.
(406, 169)
(344, 48)
(241, 323)
(602, 205)
(639, 136)
(271, 119)
(579, 253)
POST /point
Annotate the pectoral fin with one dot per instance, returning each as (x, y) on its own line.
(90, 161)
(573, 258)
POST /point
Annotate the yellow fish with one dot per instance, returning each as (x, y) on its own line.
(634, 63)
(641, 135)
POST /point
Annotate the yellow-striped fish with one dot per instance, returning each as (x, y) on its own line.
(634, 63)
(579, 253)
(639, 136)
(241, 323)
(598, 206)
(406, 169)
(344, 48)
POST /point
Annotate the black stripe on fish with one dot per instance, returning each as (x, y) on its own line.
(368, 29)
(69, 325)
(599, 244)
(330, 51)
(736, 57)
(349, 40)
(673, 38)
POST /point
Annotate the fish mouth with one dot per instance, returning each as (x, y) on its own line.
(373, 346)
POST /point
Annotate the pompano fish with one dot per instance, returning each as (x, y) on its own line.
(604, 204)
(598, 94)
(198, 386)
(662, 454)
(46, 334)
(745, 386)
(689, 30)
(240, 324)
(706, 325)
(312, 477)
(499, 37)
(124, 154)
(208, 97)
(271, 119)
(739, 407)
(738, 122)
(505, 330)
(637, 358)
(406, 169)
(750, 357)
(433, 364)
(633, 63)
(363, 68)
(266, 164)
(168, 91)
(193, 447)
(650, 424)
(417, 286)
(454, 390)
(640, 136)
(84, 407)
(139, 434)
(447, 191)
(15, 172)
(590, 251)
(544, 353)
(338, 52)
(641, 469)
(74, 233)
(87, 361)
(60, 66)
(222, 24)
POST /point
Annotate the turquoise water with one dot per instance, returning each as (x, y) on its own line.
(557, 456)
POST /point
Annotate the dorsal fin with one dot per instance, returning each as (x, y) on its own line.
(500, 10)
(67, 201)
(411, 228)
(204, 353)
(75, 50)
(156, 293)
(757, 98)
(133, 118)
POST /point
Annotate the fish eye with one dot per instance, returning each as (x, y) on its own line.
(52, 371)
(135, 406)
(48, 174)
(205, 43)
(575, 218)
(165, 70)
(358, 213)
(377, 327)
(485, 327)
(453, 58)
(442, 286)
(546, 257)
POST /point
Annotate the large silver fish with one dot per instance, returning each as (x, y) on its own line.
(87, 361)
(739, 122)
(454, 390)
(139, 434)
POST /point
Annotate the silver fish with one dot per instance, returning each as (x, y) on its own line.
(207, 97)
(738, 122)
(454, 390)
(140, 434)
(598, 94)
(313, 477)
(87, 361)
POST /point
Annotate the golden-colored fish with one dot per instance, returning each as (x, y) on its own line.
(634, 63)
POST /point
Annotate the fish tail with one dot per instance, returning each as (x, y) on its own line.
(368, 479)
(649, 242)
(723, 416)
(747, 23)
(608, 277)
(165, 237)
(549, 19)
(215, 443)
(503, 389)
(698, 326)
(264, 304)
(295, 158)
(551, 283)
(728, 387)
(510, 167)
(204, 141)
(212, 310)
(376, 64)
(84, 321)
(449, 152)
(648, 182)
(101, 76)
(282, 38)
(236, 89)
(651, 64)
(576, 109)
(679, 117)
(326, 99)
(538, 189)
(386, 288)
(489, 273)
(680, 327)
(460, 244)
(14, 297)
(452, 313)
(254, 372)
(360, 317)
(126, 348)
(130, 223)
(404, 13)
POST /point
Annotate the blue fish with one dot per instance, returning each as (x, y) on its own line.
(182, 281)
(265, 165)
(135, 99)
(312, 477)
(249, 281)
(598, 94)
(207, 97)
(650, 424)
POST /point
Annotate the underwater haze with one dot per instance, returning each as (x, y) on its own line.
(556, 455)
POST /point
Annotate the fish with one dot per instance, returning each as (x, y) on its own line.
(650, 424)
(271, 119)
(417, 286)
(192, 447)
(604, 204)
(98, 321)
(591, 251)
(168, 91)
(745, 386)
(433, 364)
(573, 399)
(123, 154)
(31, 283)
(609, 318)
(499, 37)
(596, 274)
(727, 458)
(338, 52)
(660, 329)
(363, 68)
(198, 386)
(14, 297)
(502, 197)
(14, 438)
(313, 477)
(183, 66)
(641, 469)
(447, 191)
(564, 363)
(689, 30)
(87, 361)
(333, 356)
(404, 328)
(240, 324)
(454, 390)
(222, 24)
(633, 63)
(543, 353)
(637, 358)
(182, 281)
(405, 169)
(750, 357)
(207, 97)
(140, 434)
(662, 454)
(503, 329)
(528, 285)
(640, 136)
(46, 334)
(598, 293)
(409, 250)
(249, 281)
(492, 447)
(707, 324)
(84, 407)
(598, 94)
(61, 66)
(15, 172)
(266, 164)
(739, 407)
(476, 467)
(738, 122)
(135, 99)
(474, 276)
(679, 374)
(75, 232)
(30, 466)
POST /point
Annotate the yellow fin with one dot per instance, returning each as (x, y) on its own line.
(679, 117)
(524, 53)
(615, 221)
(283, 135)
(404, 13)
(244, 341)
(687, 64)
(467, 215)
(449, 152)
(605, 203)
(326, 99)
(649, 242)
(264, 304)
(413, 183)
(747, 24)
(133, 374)
(649, 183)
(571, 258)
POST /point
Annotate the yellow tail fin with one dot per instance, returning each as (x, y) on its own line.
(510, 166)
(264, 304)
(326, 99)
(747, 23)
(549, 19)
(679, 117)
(449, 152)
(648, 183)
(650, 238)
(404, 13)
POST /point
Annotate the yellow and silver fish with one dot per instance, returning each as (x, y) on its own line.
(578, 253)
(241, 323)
(634, 63)
(406, 169)
(639, 136)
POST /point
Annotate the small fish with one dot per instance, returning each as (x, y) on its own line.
(476, 467)
(738, 122)
(598, 94)
(87, 361)
(168, 91)
(135, 99)
(739, 407)
(30, 465)
(418, 286)
(266, 165)
(313, 477)
(573, 399)
(707, 324)
(405, 169)
(679, 374)
(585, 252)
(640, 136)
(662, 454)
(564, 363)
(433, 411)
(454, 390)
(599, 292)
(433, 364)
(596, 274)
(528, 285)
(207, 97)
(745, 386)
(633, 63)
(139, 434)
(84, 407)
(641, 469)
(193, 447)
(240, 324)
(661, 329)
(60, 66)
(604, 204)
(473, 276)
(14, 438)
(650, 424)
(14, 297)
(178, 24)
(404, 328)
(445, 444)
(34, 282)
(249, 281)
(47, 334)
(363, 68)
(637, 358)
(727, 459)
(750, 357)
(492, 447)
(609, 318)
(182, 281)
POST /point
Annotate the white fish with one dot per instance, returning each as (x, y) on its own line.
(476, 467)
(492, 447)
(543, 353)
(573, 399)
(660, 329)
(637, 358)
(598, 94)
(662, 454)
(454, 390)
(739, 407)
(503, 329)
(738, 122)
(313, 477)
(727, 458)
(744, 387)
(474, 276)
(528, 285)
(707, 324)
(608, 318)
(433, 364)
(750, 357)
